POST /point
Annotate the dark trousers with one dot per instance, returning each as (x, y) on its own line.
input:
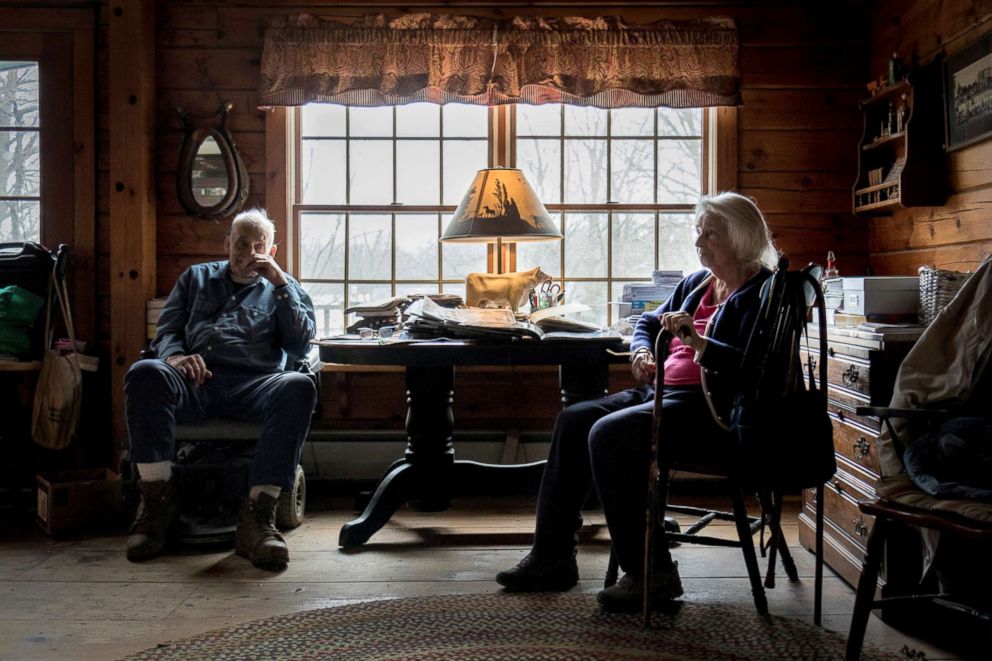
(607, 442)
(156, 396)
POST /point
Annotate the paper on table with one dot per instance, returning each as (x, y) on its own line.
(558, 311)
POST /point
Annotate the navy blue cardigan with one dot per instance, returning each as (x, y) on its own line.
(727, 338)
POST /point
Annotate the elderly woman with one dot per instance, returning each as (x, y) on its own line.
(607, 441)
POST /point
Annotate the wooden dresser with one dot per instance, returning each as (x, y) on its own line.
(861, 371)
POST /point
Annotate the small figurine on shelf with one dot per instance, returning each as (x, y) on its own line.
(895, 69)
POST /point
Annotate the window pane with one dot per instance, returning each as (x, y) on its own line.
(324, 172)
(418, 170)
(418, 120)
(585, 171)
(677, 238)
(328, 305)
(585, 245)
(416, 247)
(546, 254)
(633, 245)
(19, 94)
(540, 161)
(679, 163)
(462, 159)
(371, 122)
(632, 175)
(539, 120)
(371, 176)
(369, 245)
(323, 119)
(20, 164)
(460, 259)
(411, 288)
(585, 121)
(322, 246)
(632, 122)
(20, 221)
(680, 122)
(465, 121)
(592, 294)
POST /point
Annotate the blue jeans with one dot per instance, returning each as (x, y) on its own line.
(156, 396)
(607, 441)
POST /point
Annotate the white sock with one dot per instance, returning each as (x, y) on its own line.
(269, 489)
(156, 471)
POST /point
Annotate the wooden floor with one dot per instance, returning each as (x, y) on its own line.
(81, 599)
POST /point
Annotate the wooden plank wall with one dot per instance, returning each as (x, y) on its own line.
(803, 66)
(958, 235)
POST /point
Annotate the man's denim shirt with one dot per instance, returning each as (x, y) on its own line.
(254, 327)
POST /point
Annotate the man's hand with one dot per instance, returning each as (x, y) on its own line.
(267, 267)
(643, 367)
(191, 367)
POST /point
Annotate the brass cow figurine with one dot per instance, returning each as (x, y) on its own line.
(502, 289)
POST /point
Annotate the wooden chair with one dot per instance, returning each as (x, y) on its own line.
(773, 343)
(900, 501)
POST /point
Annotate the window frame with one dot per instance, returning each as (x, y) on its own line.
(719, 163)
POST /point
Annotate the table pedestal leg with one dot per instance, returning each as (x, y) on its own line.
(424, 475)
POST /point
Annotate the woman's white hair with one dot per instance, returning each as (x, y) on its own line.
(257, 219)
(747, 230)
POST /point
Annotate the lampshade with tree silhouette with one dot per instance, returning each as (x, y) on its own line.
(500, 205)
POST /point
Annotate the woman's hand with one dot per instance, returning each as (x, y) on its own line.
(680, 325)
(643, 367)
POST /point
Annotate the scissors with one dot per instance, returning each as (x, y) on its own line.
(550, 289)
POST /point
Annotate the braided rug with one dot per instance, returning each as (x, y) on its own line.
(509, 626)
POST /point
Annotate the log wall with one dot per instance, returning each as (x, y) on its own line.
(957, 235)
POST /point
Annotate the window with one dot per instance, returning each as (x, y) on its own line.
(20, 152)
(376, 186)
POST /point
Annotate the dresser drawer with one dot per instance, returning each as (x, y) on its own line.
(840, 507)
(850, 373)
(857, 444)
(842, 405)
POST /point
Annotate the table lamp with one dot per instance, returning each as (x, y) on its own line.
(500, 205)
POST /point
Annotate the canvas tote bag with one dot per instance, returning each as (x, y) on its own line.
(60, 382)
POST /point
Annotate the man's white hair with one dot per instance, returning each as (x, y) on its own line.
(257, 219)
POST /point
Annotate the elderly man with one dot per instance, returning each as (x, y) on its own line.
(224, 338)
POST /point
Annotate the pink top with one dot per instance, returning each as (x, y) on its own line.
(680, 369)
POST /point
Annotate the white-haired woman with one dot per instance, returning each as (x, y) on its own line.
(606, 441)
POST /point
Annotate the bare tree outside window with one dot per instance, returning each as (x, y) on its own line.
(20, 152)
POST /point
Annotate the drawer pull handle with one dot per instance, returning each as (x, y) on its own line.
(861, 447)
(851, 376)
(860, 527)
(840, 415)
(838, 486)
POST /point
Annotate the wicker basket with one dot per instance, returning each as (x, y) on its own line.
(937, 288)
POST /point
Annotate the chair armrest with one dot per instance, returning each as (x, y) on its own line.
(886, 412)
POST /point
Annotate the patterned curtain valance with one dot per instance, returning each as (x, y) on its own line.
(601, 62)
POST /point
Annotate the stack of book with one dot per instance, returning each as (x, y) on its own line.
(376, 314)
(638, 297)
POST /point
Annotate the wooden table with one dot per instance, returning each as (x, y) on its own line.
(428, 474)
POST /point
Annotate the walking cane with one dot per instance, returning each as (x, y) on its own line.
(654, 474)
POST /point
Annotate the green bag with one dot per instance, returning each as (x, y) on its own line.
(19, 309)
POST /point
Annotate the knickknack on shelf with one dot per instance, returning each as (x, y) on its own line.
(900, 156)
(211, 180)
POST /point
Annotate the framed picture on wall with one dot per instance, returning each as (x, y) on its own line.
(968, 95)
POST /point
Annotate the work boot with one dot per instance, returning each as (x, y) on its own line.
(627, 596)
(257, 538)
(155, 516)
(540, 575)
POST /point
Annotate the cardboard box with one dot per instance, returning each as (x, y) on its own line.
(78, 501)
(882, 295)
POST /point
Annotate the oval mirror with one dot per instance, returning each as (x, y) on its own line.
(211, 179)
